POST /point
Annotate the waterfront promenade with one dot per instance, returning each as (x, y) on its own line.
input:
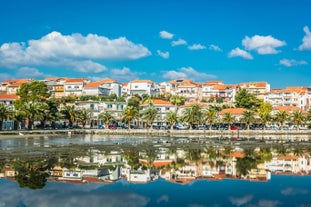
(163, 133)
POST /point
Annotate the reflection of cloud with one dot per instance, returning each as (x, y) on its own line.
(195, 205)
(68, 195)
(266, 203)
(293, 191)
(163, 198)
(241, 201)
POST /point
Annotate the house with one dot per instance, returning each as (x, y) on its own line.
(12, 86)
(212, 90)
(8, 99)
(258, 89)
(162, 106)
(104, 87)
(236, 113)
(55, 86)
(187, 88)
(290, 96)
(284, 164)
(74, 86)
(141, 87)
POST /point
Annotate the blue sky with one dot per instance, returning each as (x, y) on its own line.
(160, 40)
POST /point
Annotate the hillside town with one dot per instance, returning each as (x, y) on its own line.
(160, 95)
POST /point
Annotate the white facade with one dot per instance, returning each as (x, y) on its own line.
(74, 86)
(142, 87)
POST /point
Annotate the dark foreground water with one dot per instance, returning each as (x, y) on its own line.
(279, 191)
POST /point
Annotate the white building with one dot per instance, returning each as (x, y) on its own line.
(74, 86)
(103, 87)
(141, 87)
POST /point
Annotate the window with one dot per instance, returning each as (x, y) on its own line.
(109, 106)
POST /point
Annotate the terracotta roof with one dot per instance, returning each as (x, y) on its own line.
(93, 84)
(255, 84)
(181, 80)
(75, 80)
(159, 102)
(54, 79)
(107, 80)
(187, 85)
(141, 81)
(287, 157)
(18, 83)
(8, 96)
(213, 82)
(160, 163)
(233, 111)
(220, 87)
(289, 108)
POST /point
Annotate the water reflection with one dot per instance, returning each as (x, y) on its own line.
(33, 161)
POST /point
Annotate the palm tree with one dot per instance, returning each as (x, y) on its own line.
(228, 119)
(193, 114)
(83, 116)
(297, 118)
(107, 117)
(150, 114)
(129, 113)
(32, 112)
(211, 116)
(172, 118)
(248, 118)
(264, 113)
(18, 117)
(70, 114)
(281, 117)
(4, 114)
(177, 101)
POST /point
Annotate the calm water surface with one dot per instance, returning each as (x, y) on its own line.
(280, 190)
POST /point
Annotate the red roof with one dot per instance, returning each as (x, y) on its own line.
(76, 80)
(8, 97)
(234, 111)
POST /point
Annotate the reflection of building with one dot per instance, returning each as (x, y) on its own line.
(289, 164)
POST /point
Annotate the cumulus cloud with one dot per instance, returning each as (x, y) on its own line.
(237, 52)
(27, 72)
(306, 41)
(179, 42)
(196, 47)
(164, 55)
(166, 35)
(163, 198)
(56, 49)
(241, 201)
(215, 48)
(262, 44)
(292, 62)
(189, 73)
(124, 74)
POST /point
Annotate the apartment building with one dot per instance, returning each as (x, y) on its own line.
(74, 86)
(104, 87)
(290, 96)
(141, 87)
(11, 86)
(162, 106)
(259, 89)
(212, 90)
(55, 86)
(187, 88)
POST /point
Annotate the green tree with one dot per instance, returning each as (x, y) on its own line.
(297, 118)
(106, 117)
(177, 101)
(248, 118)
(150, 114)
(211, 116)
(228, 119)
(264, 112)
(130, 113)
(193, 114)
(32, 112)
(281, 117)
(69, 113)
(243, 99)
(83, 116)
(5, 113)
(172, 118)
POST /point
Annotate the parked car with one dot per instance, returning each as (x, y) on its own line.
(112, 127)
(180, 126)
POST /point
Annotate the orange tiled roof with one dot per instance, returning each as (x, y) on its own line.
(287, 157)
(187, 85)
(159, 102)
(107, 80)
(289, 108)
(18, 83)
(213, 82)
(220, 87)
(160, 163)
(181, 80)
(54, 79)
(93, 84)
(234, 111)
(8, 96)
(255, 84)
(75, 80)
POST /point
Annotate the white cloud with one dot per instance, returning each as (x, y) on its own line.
(262, 44)
(27, 72)
(266, 203)
(56, 49)
(163, 54)
(163, 198)
(237, 52)
(189, 73)
(292, 62)
(179, 42)
(166, 35)
(306, 41)
(241, 201)
(196, 47)
(124, 74)
(215, 48)
(294, 191)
